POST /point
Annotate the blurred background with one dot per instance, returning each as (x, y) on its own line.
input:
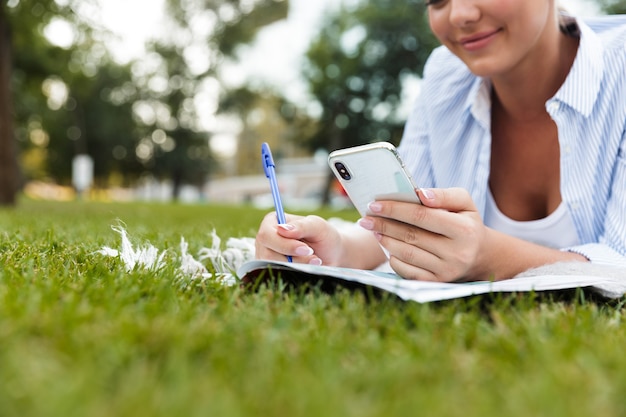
(170, 100)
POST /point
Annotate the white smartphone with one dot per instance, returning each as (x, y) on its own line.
(372, 172)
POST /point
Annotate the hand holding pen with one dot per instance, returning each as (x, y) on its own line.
(270, 173)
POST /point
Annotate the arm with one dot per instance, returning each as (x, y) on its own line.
(611, 246)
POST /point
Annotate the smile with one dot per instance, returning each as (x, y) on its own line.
(478, 41)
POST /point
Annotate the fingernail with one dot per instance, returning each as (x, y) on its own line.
(315, 261)
(287, 227)
(303, 251)
(366, 224)
(429, 194)
(375, 207)
(378, 236)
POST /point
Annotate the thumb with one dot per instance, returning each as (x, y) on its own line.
(450, 199)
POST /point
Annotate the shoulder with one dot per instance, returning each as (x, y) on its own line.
(601, 61)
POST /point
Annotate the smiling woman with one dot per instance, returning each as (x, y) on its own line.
(518, 122)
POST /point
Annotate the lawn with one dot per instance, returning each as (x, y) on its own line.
(80, 336)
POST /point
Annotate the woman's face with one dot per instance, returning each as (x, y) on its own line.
(494, 37)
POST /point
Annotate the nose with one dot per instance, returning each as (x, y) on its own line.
(464, 12)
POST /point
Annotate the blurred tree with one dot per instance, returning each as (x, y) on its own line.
(97, 120)
(9, 173)
(357, 68)
(231, 23)
(28, 60)
(183, 89)
(136, 118)
(266, 117)
(172, 144)
(223, 24)
(613, 6)
(63, 95)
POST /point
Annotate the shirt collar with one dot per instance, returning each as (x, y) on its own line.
(479, 101)
(582, 85)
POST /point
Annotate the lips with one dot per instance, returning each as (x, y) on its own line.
(479, 40)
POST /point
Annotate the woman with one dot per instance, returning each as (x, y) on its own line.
(520, 136)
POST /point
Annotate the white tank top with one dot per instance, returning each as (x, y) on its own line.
(556, 231)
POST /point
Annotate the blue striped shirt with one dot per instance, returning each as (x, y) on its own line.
(447, 137)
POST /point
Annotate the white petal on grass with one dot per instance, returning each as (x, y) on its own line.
(213, 264)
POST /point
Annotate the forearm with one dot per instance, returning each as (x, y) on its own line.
(507, 256)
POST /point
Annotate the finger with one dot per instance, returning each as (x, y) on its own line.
(411, 272)
(450, 199)
(415, 273)
(299, 253)
(406, 233)
(271, 255)
(269, 244)
(411, 262)
(415, 263)
(432, 220)
(424, 263)
(439, 221)
(309, 229)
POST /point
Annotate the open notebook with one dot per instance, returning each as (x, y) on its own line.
(607, 285)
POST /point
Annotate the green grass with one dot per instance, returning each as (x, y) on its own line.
(81, 337)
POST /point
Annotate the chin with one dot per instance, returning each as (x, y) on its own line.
(485, 68)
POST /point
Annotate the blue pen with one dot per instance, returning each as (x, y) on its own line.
(270, 173)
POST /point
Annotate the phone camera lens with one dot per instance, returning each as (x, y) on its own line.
(343, 171)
